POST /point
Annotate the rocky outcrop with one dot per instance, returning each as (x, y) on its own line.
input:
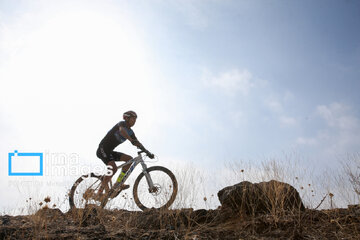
(259, 198)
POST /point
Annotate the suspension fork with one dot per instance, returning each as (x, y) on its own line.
(148, 178)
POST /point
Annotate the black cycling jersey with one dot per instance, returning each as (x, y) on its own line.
(113, 138)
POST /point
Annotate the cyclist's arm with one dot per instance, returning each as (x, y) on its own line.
(132, 139)
(124, 133)
(137, 143)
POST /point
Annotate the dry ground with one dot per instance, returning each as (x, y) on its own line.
(94, 223)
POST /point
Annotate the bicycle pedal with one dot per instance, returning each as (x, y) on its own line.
(124, 186)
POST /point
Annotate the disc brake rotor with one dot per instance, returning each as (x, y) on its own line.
(156, 190)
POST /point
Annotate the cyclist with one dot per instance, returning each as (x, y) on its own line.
(118, 134)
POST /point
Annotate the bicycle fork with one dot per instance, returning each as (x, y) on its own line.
(152, 188)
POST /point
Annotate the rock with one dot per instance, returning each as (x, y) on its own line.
(239, 197)
(264, 197)
(282, 196)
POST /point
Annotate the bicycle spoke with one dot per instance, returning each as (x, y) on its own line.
(86, 192)
(163, 193)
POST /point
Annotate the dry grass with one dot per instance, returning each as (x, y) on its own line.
(99, 223)
(352, 170)
(184, 223)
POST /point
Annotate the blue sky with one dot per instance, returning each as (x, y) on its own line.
(300, 55)
(212, 81)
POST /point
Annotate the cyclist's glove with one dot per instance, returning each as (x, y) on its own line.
(149, 154)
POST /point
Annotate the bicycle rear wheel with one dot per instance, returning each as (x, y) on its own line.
(84, 190)
(164, 192)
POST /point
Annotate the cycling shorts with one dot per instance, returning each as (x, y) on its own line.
(108, 156)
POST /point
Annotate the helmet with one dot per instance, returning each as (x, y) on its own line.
(129, 114)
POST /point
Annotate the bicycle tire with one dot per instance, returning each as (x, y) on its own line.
(77, 183)
(173, 194)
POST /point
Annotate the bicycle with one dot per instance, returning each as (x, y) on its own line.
(155, 187)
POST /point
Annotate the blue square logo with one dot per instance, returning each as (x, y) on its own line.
(25, 164)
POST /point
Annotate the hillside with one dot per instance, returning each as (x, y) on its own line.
(229, 221)
(92, 223)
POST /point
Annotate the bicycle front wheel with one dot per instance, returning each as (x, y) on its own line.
(162, 195)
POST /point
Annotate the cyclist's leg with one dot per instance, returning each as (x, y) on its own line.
(109, 161)
(124, 157)
(112, 166)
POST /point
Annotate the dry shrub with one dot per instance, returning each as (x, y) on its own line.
(352, 170)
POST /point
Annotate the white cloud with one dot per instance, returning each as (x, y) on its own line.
(306, 141)
(231, 82)
(274, 105)
(238, 118)
(338, 116)
(194, 13)
(288, 96)
(289, 121)
(343, 130)
(338, 136)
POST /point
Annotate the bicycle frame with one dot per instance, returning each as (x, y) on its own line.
(90, 194)
(134, 162)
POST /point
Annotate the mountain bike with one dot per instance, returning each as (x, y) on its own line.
(155, 187)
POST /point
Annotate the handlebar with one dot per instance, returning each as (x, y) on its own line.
(149, 154)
